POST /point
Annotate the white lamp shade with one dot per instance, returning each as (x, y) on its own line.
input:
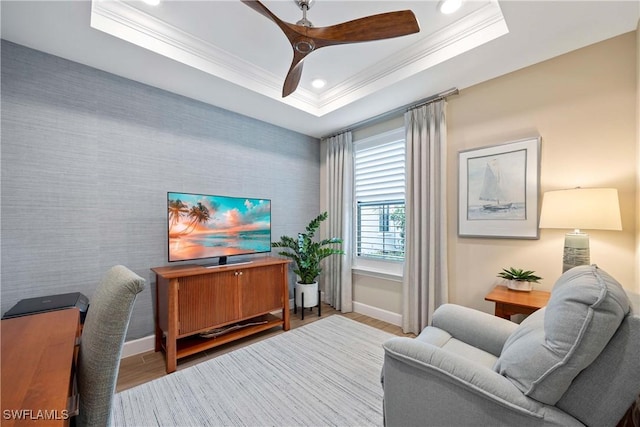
(581, 208)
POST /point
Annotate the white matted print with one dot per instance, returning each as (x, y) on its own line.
(498, 189)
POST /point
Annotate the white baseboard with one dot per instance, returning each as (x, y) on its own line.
(141, 345)
(378, 313)
(145, 344)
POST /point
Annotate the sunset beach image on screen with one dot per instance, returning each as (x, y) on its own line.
(207, 226)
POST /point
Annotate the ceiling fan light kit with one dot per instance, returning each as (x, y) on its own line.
(305, 38)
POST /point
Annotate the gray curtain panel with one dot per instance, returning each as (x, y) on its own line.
(425, 279)
(338, 289)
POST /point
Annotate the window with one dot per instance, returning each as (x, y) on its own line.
(380, 228)
(379, 196)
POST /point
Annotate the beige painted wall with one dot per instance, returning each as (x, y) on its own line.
(638, 155)
(585, 106)
(377, 292)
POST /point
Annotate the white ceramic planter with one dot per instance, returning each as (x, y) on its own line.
(310, 294)
(519, 285)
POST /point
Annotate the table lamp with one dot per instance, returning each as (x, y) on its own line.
(580, 208)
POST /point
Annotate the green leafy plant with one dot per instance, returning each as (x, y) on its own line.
(519, 275)
(307, 253)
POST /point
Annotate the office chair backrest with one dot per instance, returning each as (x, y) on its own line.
(101, 344)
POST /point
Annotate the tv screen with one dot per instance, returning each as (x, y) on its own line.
(205, 226)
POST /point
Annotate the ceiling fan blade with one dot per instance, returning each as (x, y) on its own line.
(305, 39)
(287, 29)
(261, 9)
(295, 33)
(293, 76)
(375, 27)
(301, 45)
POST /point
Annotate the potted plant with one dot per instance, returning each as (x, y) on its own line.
(518, 279)
(306, 255)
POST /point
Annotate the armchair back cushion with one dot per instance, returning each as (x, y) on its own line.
(553, 345)
(606, 389)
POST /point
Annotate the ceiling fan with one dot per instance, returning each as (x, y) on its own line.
(305, 38)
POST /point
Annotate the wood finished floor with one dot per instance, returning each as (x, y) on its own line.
(141, 368)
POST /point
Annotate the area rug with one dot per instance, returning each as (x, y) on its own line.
(326, 373)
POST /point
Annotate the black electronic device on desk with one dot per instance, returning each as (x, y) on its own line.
(35, 305)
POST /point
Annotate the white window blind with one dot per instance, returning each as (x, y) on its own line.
(379, 193)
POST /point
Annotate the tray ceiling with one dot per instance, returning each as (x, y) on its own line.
(225, 54)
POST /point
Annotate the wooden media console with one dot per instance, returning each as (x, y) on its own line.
(194, 302)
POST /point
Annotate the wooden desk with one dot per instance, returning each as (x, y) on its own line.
(510, 302)
(38, 358)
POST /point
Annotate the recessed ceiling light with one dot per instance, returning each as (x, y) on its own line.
(449, 6)
(318, 83)
(152, 2)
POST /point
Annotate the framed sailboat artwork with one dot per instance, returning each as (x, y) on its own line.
(498, 188)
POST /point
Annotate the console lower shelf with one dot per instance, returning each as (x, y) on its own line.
(195, 343)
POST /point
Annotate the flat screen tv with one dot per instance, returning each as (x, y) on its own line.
(205, 226)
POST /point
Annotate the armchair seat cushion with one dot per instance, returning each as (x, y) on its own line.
(544, 355)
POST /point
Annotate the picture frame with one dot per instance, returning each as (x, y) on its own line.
(498, 190)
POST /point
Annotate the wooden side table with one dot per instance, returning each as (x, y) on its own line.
(510, 302)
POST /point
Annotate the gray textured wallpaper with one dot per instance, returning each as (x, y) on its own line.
(87, 158)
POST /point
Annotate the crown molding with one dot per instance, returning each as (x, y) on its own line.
(126, 22)
(473, 30)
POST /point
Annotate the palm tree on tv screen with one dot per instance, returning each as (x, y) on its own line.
(176, 209)
(197, 214)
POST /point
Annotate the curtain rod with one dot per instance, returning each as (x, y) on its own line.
(388, 114)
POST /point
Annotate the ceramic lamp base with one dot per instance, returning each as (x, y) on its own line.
(576, 250)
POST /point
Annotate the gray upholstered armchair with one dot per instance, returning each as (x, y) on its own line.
(101, 344)
(575, 362)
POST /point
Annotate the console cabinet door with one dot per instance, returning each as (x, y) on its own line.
(261, 290)
(207, 301)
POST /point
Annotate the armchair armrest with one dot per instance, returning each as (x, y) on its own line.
(426, 385)
(476, 328)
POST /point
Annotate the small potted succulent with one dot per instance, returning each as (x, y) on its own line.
(518, 279)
